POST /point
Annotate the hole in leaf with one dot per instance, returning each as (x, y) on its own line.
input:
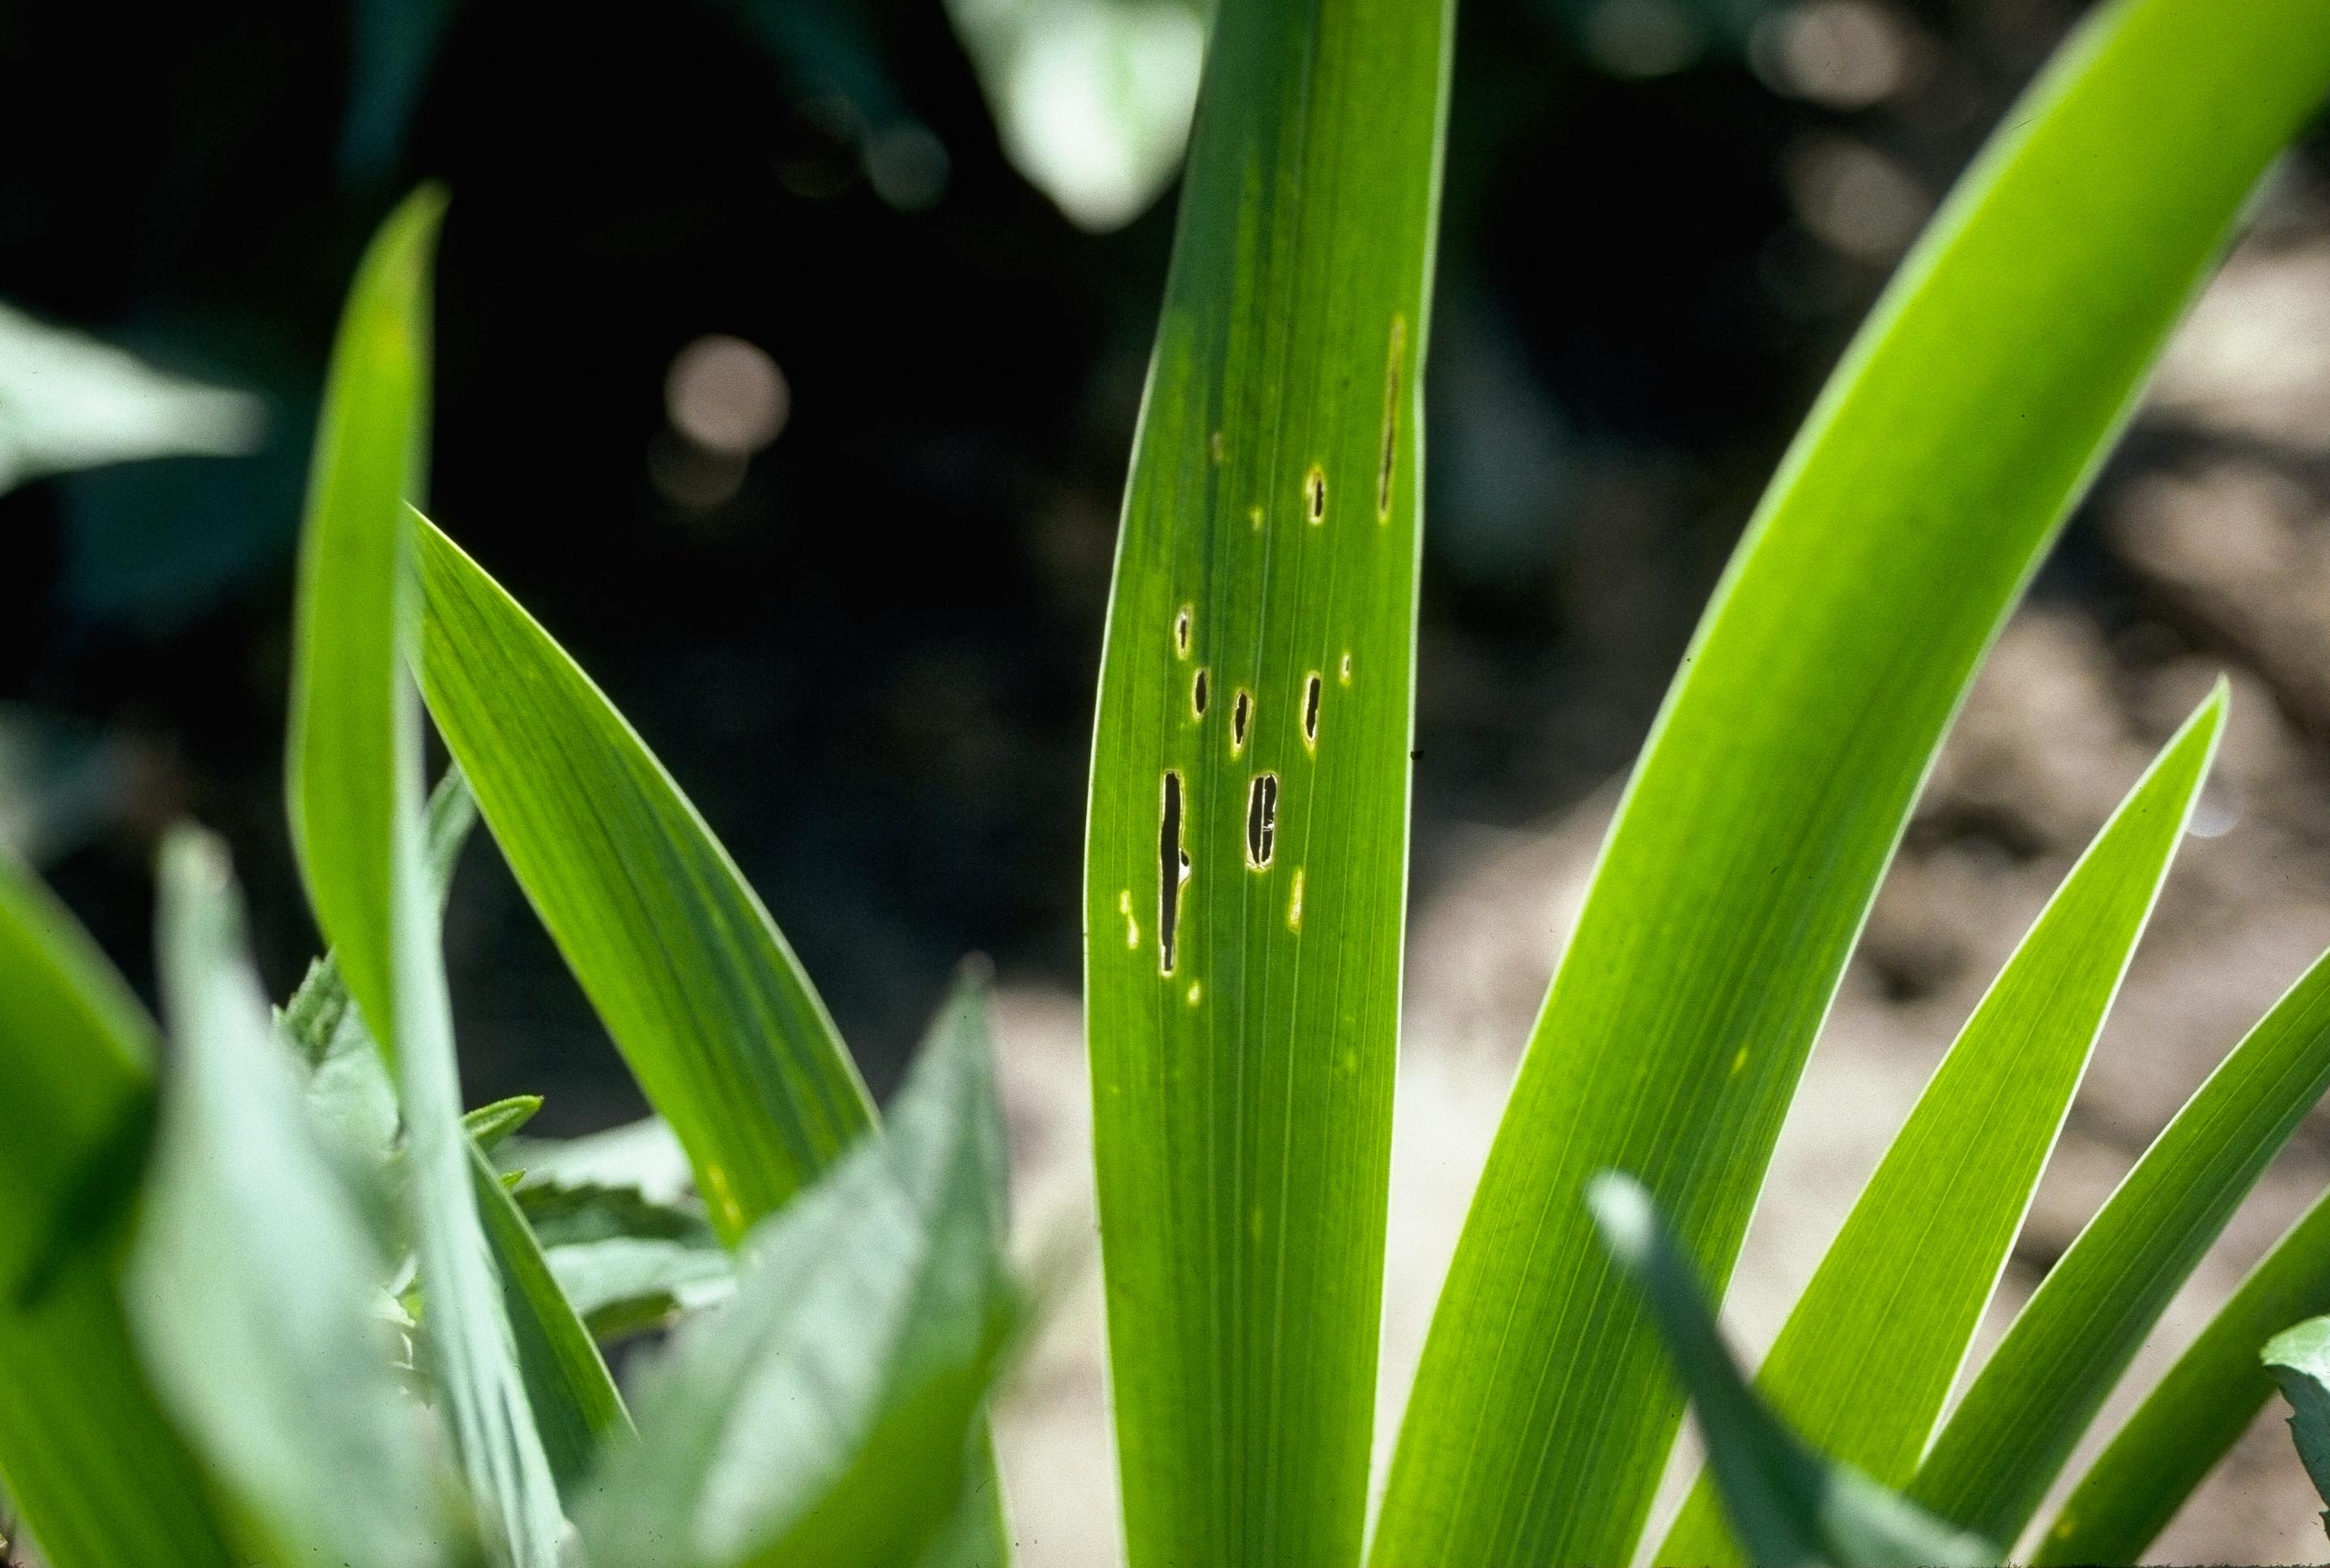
(1310, 689)
(1241, 713)
(1261, 819)
(1347, 669)
(1314, 495)
(1390, 419)
(1182, 631)
(1197, 693)
(1173, 871)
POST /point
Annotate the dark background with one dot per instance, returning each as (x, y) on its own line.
(871, 664)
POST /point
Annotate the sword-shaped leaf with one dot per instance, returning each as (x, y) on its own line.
(356, 820)
(1869, 1350)
(693, 980)
(1972, 409)
(2007, 1439)
(2194, 1413)
(1246, 858)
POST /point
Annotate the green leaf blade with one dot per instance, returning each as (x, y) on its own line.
(1255, 716)
(2009, 1437)
(88, 1457)
(1869, 1350)
(1898, 533)
(2195, 1413)
(357, 819)
(692, 978)
(256, 1284)
(1790, 1503)
(829, 1414)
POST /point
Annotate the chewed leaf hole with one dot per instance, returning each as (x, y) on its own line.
(1261, 819)
(1390, 419)
(1181, 630)
(1173, 871)
(1197, 693)
(1314, 494)
(1346, 676)
(1241, 716)
(1311, 688)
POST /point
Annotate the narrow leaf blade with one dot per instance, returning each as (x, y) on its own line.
(1246, 857)
(1916, 501)
(1789, 1502)
(692, 978)
(2007, 1439)
(1869, 1350)
(2197, 1412)
(356, 816)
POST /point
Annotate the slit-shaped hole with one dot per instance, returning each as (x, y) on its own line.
(1241, 715)
(1197, 692)
(1390, 420)
(1314, 495)
(1261, 819)
(1182, 631)
(1173, 871)
(1310, 690)
(1346, 668)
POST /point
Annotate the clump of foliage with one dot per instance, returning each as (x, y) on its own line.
(285, 1306)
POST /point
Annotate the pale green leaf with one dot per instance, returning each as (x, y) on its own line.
(1246, 859)
(2196, 1412)
(692, 978)
(255, 1281)
(575, 1406)
(1871, 1347)
(830, 1412)
(356, 818)
(88, 1458)
(1788, 1503)
(68, 401)
(1916, 503)
(2299, 1360)
(2009, 1436)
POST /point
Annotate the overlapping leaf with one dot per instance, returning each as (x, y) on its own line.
(830, 1412)
(2009, 1437)
(355, 791)
(87, 1454)
(1869, 1353)
(1915, 504)
(256, 1284)
(692, 978)
(1787, 1503)
(2197, 1412)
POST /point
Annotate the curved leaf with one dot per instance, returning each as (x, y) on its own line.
(2004, 1445)
(1871, 1347)
(692, 978)
(1971, 410)
(356, 818)
(2197, 1412)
